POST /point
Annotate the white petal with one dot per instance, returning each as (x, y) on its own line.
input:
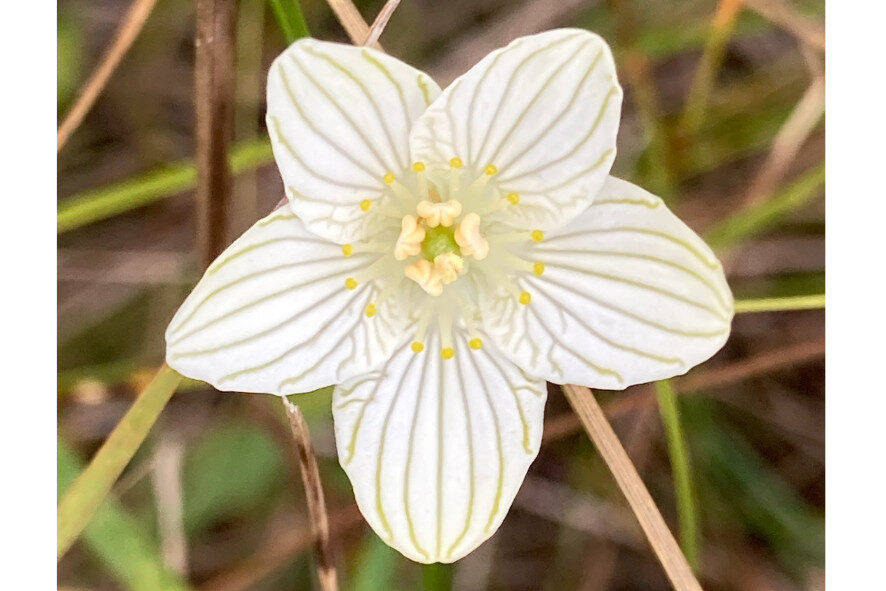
(545, 111)
(629, 294)
(437, 448)
(339, 118)
(273, 314)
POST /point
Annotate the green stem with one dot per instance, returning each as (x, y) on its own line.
(99, 204)
(801, 302)
(290, 18)
(118, 539)
(681, 471)
(93, 484)
(436, 577)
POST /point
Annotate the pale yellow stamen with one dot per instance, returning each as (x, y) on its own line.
(418, 346)
(431, 277)
(370, 309)
(525, 297)
(537, 235)
(418, 166)
(347, 249)
(475, 343)
(389, 178)
(448, 266)
(351, 283)
(365, 204)
(447, 353)
(422, 272)
(409, 242)
(538, 268)
(456, 162)
(513, 198)
(469, 238)
(439, 214)
(490, 169)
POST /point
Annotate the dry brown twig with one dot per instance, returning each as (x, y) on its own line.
(660, 537)
(788, 141)
(214, 98)
(380, 22)
(127, 32)
(353, 23)
(785, 16)
(310, 476)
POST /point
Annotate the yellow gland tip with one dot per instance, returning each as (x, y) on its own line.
(370, 309)
(538, 268)
(418, 166)
(447, 353)
(525, 298)
(537, 235)
(389, 178)
(418, 346)
(347, 249)
(513, 198)
(365, 204)
(475, 343)
(456, 162)
(490, 169)
(351, 283)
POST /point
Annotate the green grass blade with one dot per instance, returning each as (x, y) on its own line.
(117, 539)
(757, 217)
(761, 500)
(681, 472)
(86, 493)
(290, 18)
(99, 204)
(801, 302)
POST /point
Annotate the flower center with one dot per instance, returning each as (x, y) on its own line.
(439, 240)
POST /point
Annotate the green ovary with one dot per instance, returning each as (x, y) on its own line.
(439, 241)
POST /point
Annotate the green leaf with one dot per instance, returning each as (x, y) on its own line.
(86, 493)
(233, 470)
(117, 539)
(290, 18)
(376, 565)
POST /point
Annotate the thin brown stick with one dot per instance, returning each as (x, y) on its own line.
(214, 101)
(788, 141)
(644, 397)
(352, 21)
(663, 543)
(129, 29)
(310, 476)
(380, 22)
(783, 14)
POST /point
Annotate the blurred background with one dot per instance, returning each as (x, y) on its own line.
(723, 117)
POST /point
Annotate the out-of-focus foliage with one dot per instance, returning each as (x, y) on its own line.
(125, 248)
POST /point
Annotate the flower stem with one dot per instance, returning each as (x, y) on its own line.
(310, 475)
(436, 577)
(801, 302)
(663, 543)
(681, 471)
(87, 491)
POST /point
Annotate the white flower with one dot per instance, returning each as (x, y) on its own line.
(441, 256)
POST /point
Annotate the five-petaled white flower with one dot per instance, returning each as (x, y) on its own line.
(441, 255)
